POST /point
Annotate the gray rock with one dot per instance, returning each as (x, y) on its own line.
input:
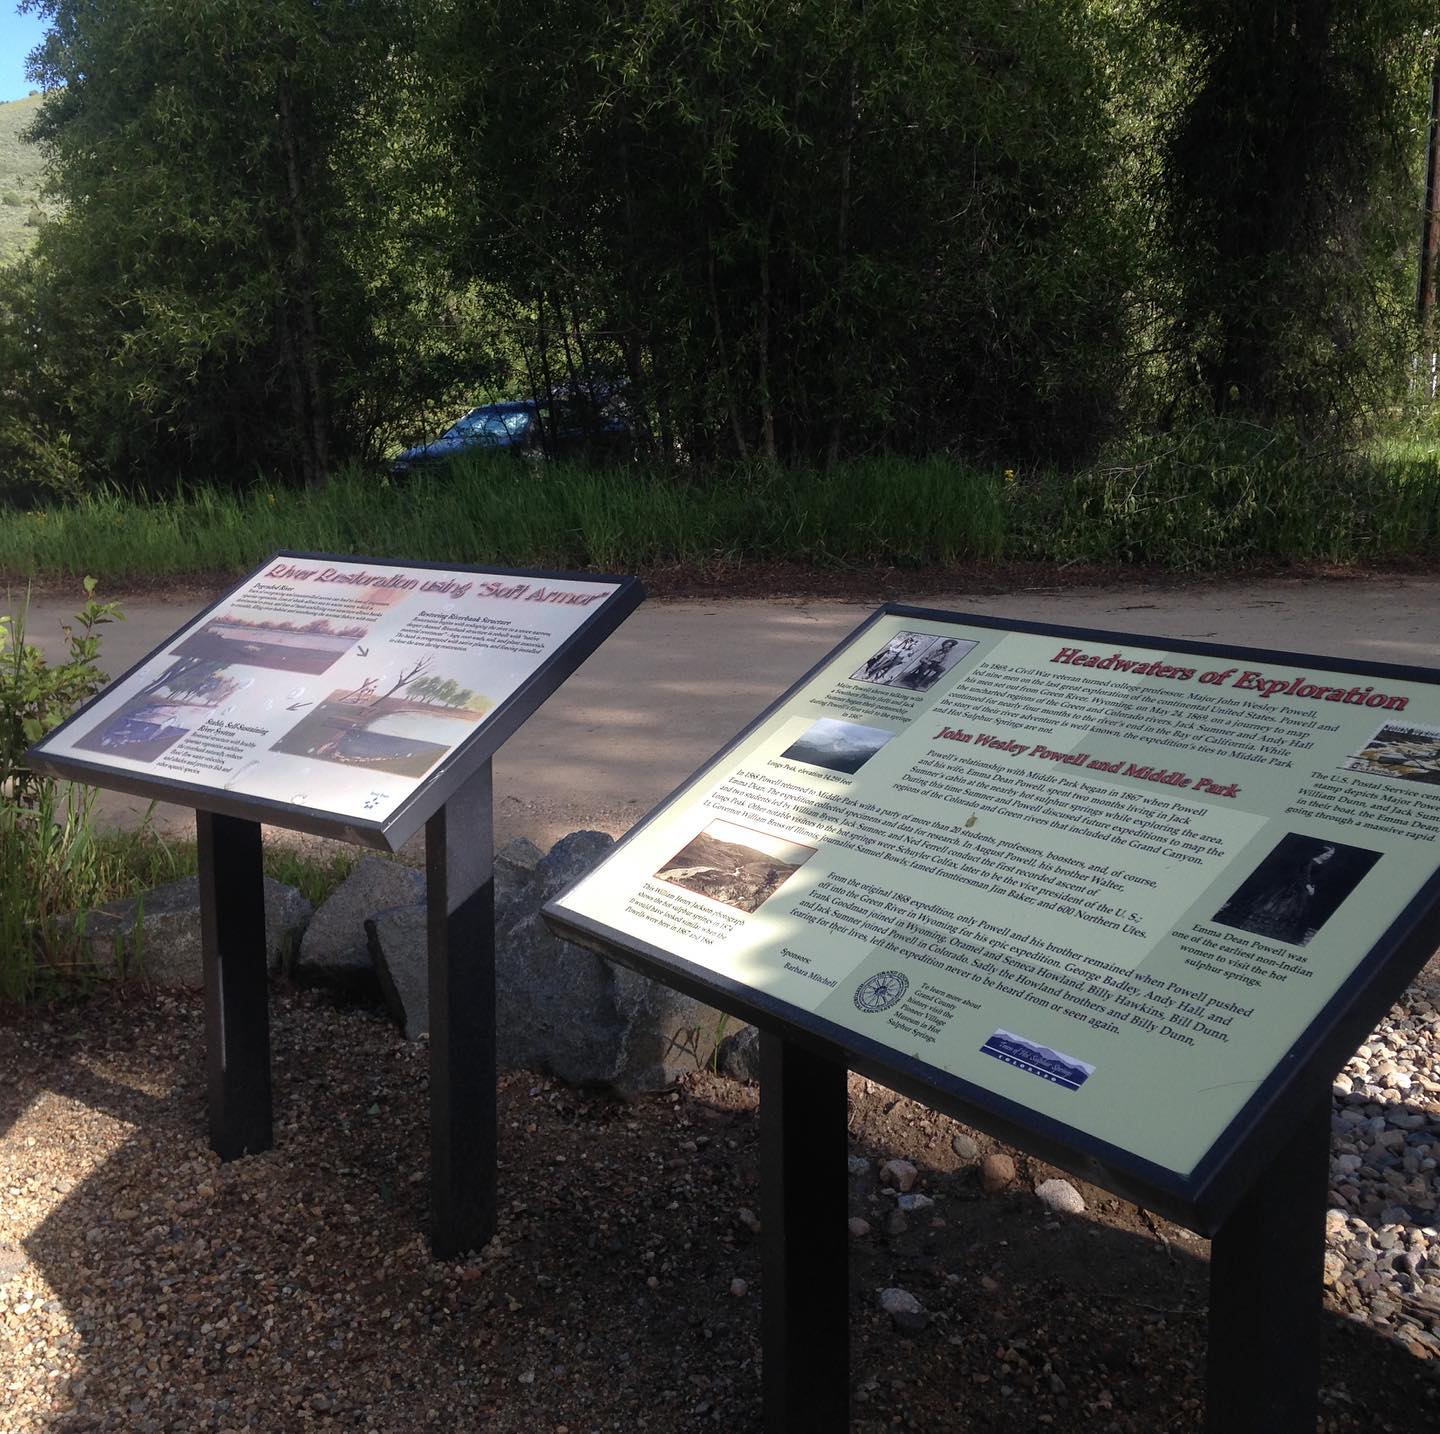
(335, 950)
(400, 956)
(1061, 1196)
(739, 1055)
(156, 937)
(914, 1204)
(559, 1008)
(902, 1307)
(580, 1016)
(964, 1146)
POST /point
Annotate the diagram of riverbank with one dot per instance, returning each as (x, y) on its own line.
(404, 736)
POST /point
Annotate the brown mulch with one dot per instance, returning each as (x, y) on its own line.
(146, 1288)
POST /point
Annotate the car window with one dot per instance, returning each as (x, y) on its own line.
(491, 425)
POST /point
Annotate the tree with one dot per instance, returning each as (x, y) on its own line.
(1288, 179)
(222, 290)
(804, 230)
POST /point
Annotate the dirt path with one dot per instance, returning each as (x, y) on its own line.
(681, 677)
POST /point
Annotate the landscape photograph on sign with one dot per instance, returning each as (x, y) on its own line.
(164, 710)
(913, 660)
(734, 865)
(1401, 750)
(1296, 889)
(403, 729)
(313, 646)
(836, 745)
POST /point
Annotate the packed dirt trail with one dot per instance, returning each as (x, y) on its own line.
(682, 676)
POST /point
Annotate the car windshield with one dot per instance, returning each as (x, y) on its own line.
(487, 423)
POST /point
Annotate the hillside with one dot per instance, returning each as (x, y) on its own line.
(20, 172)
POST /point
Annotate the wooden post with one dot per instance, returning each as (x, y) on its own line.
(237, 1014)
(460, 877)
(804, 1183)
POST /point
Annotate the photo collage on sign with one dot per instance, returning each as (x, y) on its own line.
(743, 867)
(333, 685)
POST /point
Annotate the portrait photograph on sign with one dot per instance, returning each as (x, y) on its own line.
(1103, 881)
(331, 685)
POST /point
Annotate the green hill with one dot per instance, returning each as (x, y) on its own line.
(20, 174)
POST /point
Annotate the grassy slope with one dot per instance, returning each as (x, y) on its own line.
(20, 172)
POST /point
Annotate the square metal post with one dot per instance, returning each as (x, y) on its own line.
(1266, 1282)
(460, 876)
(237, 1014)
(805, 1307)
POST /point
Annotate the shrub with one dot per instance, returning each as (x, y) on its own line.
(48, 855)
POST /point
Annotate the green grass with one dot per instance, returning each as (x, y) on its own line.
(132, 862)
(55, 866)
(510, 514)
(1194, 502)
(21, 169)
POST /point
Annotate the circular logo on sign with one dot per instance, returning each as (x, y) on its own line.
(881, 991)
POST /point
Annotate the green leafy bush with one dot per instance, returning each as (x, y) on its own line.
(49, 863)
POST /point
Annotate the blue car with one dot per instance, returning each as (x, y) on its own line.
(497, 427)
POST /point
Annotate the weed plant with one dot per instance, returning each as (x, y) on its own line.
(49, 866)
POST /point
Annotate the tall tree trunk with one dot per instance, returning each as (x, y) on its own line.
(842, 255)
(1430, 219)
(316, 435)
(767, 407)
(737, 432)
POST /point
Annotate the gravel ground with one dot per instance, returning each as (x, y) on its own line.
(145, 1287)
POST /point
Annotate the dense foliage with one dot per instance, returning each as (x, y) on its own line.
(1290, 193)
(289, 233)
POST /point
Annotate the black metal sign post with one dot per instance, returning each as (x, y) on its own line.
(460, 896)
(231, 676)
(805, 1302)
(1266, 1266)
(1363, 786)
(1266, 1292)
(460, 893)
(237, 1017)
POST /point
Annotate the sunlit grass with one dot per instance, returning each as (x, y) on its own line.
(1202, 500)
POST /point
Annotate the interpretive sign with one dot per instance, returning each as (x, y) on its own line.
(1123, 897)
(332, 694)
(361, 699)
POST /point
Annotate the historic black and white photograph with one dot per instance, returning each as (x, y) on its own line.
(913, 660)
(1297, 888)
(840, 746)
(735, 865)
(1401, 749)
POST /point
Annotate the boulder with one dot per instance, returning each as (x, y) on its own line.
(739, 1055)
(559, 1008)
(157, 936)
(397, 942)
(579, 1015)
(335, 951)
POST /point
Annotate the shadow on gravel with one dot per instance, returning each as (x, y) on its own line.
(149, 1289)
